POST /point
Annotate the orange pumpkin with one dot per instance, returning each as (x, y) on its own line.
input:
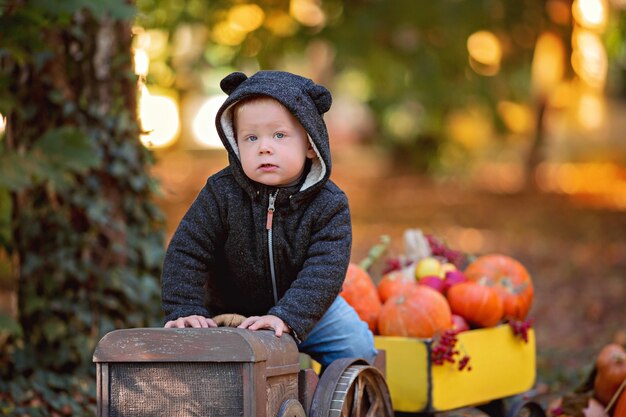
(480, 305)
(360, 292)
(610, 371)
(509, 277)
(620, 408)
(395, 282)
(419, 312)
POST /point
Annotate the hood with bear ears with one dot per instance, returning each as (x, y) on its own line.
(306, 100)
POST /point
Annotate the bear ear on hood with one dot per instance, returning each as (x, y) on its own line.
(232, 81)
(321, 97)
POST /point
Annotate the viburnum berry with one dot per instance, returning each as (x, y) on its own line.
(520, 328)
(463, 362)
(443, 350)
(440, 249)
(394, 264)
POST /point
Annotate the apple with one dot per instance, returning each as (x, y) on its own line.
(427, 266)
(447, 267)
(432, 281)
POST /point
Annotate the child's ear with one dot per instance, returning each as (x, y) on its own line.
(310, 152)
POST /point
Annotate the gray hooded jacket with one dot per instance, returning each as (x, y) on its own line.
(223, 259)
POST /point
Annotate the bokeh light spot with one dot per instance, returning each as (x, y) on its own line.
(203, 125)
(484, 47)
(159, 119)
(246, 17)
(307, 12)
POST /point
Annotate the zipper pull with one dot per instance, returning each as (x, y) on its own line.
(270, 211)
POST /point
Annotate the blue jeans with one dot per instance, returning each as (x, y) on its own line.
(339, 334)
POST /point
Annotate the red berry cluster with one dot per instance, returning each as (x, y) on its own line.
(443, 350)
(520, 328)
(556, 411)
(463, 362)
(439, 248)
(394, 264)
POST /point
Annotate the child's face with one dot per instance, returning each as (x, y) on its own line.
(273, 145)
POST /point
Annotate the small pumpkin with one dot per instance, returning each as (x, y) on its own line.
(361, 293)
(395, 282)
(479, 304)
(610, 371)
(509, 277)
(418, 312)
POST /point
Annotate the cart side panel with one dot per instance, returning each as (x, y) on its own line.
(407, 371)
(501, 365)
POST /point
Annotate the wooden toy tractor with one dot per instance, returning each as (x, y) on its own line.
(228, 372)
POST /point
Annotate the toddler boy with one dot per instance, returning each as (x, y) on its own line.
(269, 236)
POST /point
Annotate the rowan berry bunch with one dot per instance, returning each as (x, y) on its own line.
(520, 328)
(395, 264)
(440, 249)
(444, 350)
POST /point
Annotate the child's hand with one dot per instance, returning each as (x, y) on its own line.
(265, 322)
(191, 321)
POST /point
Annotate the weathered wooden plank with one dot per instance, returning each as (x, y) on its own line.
(222, 344)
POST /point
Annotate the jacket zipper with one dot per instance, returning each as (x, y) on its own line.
(268, 226)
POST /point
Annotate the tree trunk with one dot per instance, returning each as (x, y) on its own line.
(534, 157)
(88, 243)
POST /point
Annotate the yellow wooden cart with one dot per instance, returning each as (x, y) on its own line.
(502, 365)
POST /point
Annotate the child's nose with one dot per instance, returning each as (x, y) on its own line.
(265, 145)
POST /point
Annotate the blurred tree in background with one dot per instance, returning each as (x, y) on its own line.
(415, 67)
(438, 85)
(83, 237)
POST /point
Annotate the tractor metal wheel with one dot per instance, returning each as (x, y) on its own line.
(526, 409)
(351, 388)
(291, 408)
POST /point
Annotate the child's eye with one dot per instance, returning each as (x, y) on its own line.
(251, 138)
(279, 135)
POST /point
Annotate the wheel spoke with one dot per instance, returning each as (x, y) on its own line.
(373, 411)
(359, 389)
(353, 402)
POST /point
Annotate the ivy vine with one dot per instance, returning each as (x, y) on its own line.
(78, 224)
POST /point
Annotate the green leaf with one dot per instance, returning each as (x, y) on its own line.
(7, 101)
(58, 7)
(15, 174)
(8, 325)
(6, 208)
(117, 9)
(54, 329)
(59, 178)
(33, 304)
(98, 212)
(68, 148)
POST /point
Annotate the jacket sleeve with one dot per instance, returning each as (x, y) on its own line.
(189, 257)
(320, 280)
